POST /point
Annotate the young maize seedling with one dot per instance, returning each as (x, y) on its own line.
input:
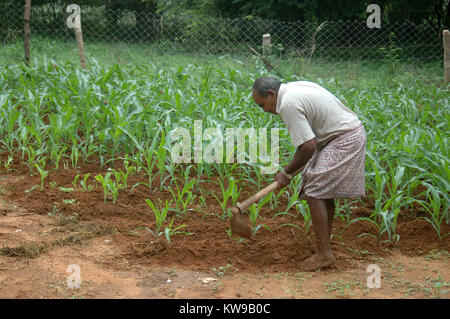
(83, 183)
(231, 191)
(182, 197)
(160, 213)
(75, 180)
(42, 172)
(383, 222)
(114, 189)
(229, 233)
(121, 178)
(343, 209)
(170, 232)
(161, 154)
(254, 214)
(438, 210)
(150, 162)
(293, 201)
(7, 164)
(56, 156)
(31, 159)
(28, 191)
(74, 156)
(107, 184)
(303, 208)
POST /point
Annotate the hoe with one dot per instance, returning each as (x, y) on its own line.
(239, 224)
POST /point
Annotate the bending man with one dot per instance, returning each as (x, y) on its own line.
(330, 144)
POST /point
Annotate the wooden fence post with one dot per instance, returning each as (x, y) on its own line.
(266, 45)
(446, 39)
(26, 31)
(74, 22)
(79, 36)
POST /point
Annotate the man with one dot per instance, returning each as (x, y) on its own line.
(330, 144)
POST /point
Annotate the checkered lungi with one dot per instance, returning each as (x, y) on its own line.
(337, 170)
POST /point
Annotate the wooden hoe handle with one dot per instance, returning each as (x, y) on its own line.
(255, 198)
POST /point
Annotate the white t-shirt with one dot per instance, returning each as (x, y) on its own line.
(309, 110)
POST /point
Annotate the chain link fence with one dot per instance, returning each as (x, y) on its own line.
(333, 40)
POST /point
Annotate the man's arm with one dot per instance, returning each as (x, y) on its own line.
(302, 155)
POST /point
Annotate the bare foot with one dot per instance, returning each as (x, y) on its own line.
(317, 262)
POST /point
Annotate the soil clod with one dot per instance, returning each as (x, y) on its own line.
(239, 225)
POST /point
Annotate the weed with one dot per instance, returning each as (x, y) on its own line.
(343, 288)
(439, 287)
(437, 254)
(222, 270)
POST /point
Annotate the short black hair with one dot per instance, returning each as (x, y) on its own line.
(264, 84)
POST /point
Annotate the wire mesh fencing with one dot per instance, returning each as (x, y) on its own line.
(332, 40)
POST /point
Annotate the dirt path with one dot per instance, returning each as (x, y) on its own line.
(42, 233)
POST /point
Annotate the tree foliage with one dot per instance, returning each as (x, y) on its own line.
(433, 12)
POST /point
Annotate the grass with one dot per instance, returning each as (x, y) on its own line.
(26, 250)
(343, 288)
(130, 98)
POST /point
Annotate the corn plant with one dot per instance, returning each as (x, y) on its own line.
(42, 172)
(102, 113)
(28, 191)
(161, 154)
(75, 180)
(83, 183)
(58, 155)
(121, 178)
(231, 191)
(7, 164)
(303, 209)
(343, 209)
(182, 196)
(145, 160)
(114, 187)
(160, 211)
(31, 158)
(438, 211)
(170, 232)
(384, 218)
(383, 223)
(254, 210)
(74, 156)
(293, 202)
(110, 187)
(104, 182)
